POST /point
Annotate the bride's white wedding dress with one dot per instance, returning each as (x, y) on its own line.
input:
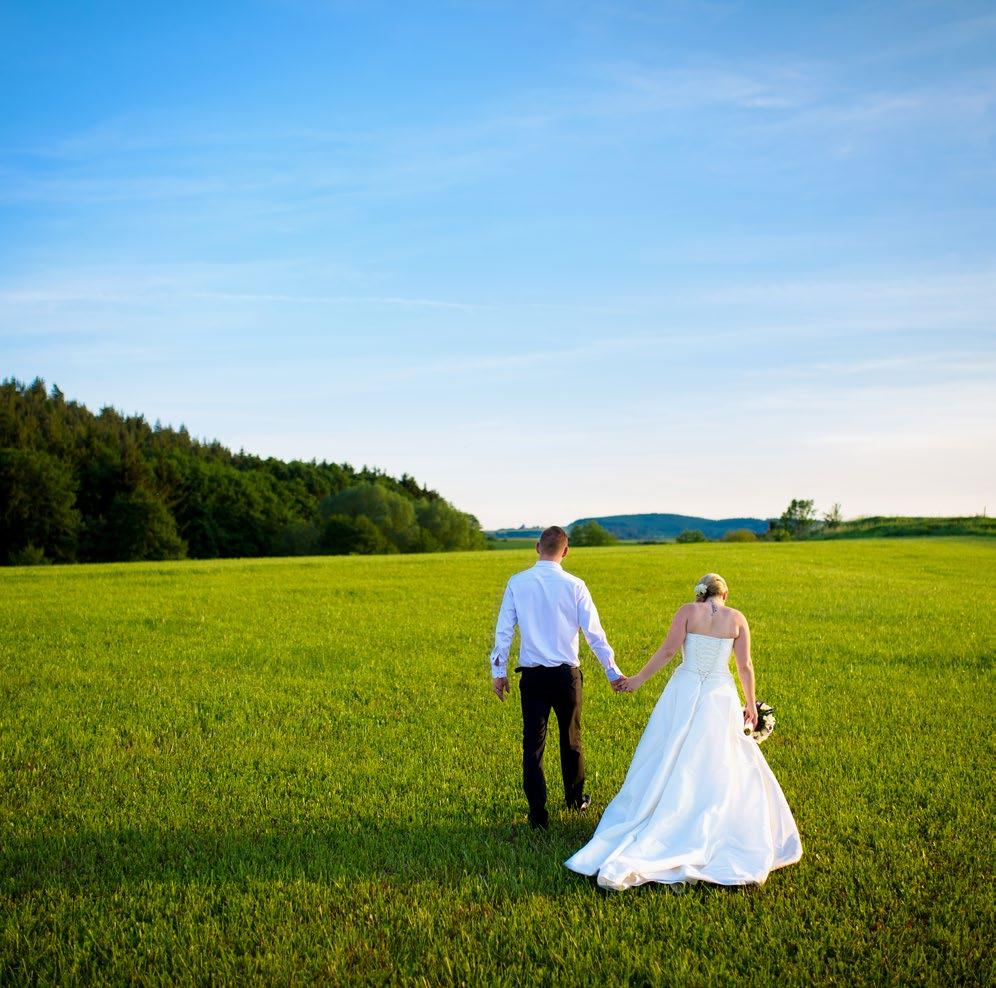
(699, 802)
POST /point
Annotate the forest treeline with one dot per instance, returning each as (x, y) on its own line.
(78, 486)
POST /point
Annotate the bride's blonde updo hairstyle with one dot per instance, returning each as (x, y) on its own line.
(710, 585)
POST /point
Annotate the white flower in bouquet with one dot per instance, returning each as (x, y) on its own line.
(765, 722)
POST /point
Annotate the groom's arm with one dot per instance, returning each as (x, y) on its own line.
(504, 631)
(589, 623)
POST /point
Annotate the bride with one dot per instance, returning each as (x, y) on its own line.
(699, 802)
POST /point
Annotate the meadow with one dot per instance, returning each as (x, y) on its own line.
(293, 771)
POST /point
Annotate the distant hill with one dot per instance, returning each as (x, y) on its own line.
(659, 527)
(648, 528)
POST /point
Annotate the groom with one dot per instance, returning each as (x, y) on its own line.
(550, 607)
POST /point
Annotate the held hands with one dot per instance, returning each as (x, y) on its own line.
(500, 685)
(626, 684)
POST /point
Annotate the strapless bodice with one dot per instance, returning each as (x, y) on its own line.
(705, 655)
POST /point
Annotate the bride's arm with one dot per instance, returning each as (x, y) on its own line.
(669, 648)
(745, 670)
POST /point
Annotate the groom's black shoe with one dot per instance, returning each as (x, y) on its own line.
(581, 806)
(540, 823)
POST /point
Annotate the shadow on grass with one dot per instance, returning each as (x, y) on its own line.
(510, 860)
(509, 857)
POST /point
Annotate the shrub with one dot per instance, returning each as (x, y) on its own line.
(691, 535)
(30, 555)
(740, 535)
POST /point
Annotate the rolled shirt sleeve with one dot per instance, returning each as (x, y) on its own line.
(591, 626)
(504, 631)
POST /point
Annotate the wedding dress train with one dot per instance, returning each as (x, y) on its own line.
(699, 802)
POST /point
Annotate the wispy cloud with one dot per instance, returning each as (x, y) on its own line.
(635, 88)
(167, 289)
(538, 360)
(388, 300)
(959, 110)
(969, 290)
(301, 170)
(938, 365)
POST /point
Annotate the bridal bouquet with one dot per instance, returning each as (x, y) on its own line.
(765, 722)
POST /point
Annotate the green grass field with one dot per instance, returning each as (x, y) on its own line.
(293, 772)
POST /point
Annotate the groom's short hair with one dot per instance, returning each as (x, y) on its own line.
(552, 540)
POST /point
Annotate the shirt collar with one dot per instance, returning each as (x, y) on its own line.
(548, 562)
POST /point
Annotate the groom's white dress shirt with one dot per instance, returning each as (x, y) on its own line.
(550, 607)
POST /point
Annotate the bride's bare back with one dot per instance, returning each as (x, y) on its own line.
(714, 618)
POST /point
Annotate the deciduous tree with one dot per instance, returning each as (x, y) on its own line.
(591, 533)
(798, 518)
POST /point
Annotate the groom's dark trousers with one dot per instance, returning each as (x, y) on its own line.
(542, 689)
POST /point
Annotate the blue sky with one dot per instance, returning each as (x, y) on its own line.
(553, 258)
